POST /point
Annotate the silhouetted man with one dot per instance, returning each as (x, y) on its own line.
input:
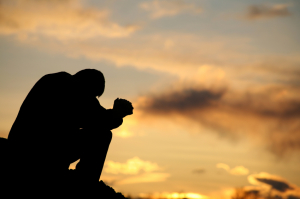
(61, 121)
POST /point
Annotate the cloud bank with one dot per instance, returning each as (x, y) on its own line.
(269, 115)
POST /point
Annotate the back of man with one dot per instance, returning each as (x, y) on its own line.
(43, 122)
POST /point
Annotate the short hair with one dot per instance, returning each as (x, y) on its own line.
(91, 80)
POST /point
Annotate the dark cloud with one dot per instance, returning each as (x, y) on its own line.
(199, 171)
(190, 101)
(182, 101)
(276, 184)
(278, 188)
(264, 11)
(271, 114)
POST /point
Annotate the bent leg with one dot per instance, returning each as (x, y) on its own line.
(95, 147)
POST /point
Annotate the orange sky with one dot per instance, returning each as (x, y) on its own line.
(215, 86)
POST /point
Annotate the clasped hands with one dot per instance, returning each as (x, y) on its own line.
(122, 107)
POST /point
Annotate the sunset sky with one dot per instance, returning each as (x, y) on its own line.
(215, 86)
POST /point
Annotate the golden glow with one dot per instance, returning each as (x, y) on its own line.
(123, 133)
(125, 130)
(174, 195)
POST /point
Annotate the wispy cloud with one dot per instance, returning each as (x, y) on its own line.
(165, 8)
(207, 60)
(256, 12)
(238, 170)
(132, 166)
(63, 20)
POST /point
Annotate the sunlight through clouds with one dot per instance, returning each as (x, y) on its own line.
(173, 195)
(123, 133)
(128, 128)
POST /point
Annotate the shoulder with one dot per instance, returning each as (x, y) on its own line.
(50, 79)
(59, 75)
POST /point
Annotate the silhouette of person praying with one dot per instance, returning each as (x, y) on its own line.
(61, 121)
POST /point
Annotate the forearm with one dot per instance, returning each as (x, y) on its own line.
(113, 119)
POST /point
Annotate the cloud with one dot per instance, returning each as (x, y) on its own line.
(164, 8)
(271, 185)
(280, 186)
(272, 181)
(153, 52)
(140, 171)
(183, 101)
(145, 177)
(132, 166)
(62, 20)
(238, 170)
(256, 12)
(268, 115)
(223, 166)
